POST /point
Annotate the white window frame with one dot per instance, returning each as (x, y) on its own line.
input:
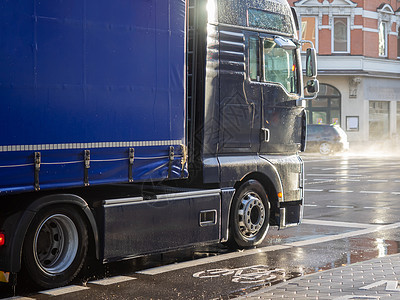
(315, 30)
(398, 44)
(385, 36)
(333, 34)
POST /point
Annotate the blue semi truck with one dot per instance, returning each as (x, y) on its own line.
(135, 127)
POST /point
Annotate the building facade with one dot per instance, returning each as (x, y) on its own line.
(358, 46)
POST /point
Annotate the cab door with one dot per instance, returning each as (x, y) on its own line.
(282, 119)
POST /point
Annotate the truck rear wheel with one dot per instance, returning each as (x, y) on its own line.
(249, 216)
(55, 247)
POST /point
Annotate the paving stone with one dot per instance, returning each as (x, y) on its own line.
(339, 282)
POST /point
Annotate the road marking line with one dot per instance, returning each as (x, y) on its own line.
(340, 206)
(343, 235)
(320, 180)
(395, 193)
(391, 285)
(335, 175)
(112, 280)
(64, 290)
(222, 257)
(378, 180)
(342, 169)
(371, 192)
(351, 180)
(337, 223)
(340, 191)
(207, 260)
(17, 298)
(313, 190)
(371, 207)
(310, 205)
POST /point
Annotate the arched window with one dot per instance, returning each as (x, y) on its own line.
(325, 109)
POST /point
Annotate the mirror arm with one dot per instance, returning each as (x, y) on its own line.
(301, 100)
(302, 42)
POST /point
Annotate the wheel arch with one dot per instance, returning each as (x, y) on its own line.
(41, 203)
(270, 189)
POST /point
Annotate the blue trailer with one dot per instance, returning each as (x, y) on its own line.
(136, 127)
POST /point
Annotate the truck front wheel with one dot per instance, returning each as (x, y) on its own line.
(249, 216)
(55, 247)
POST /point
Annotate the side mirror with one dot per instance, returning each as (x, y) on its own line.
(284, 43)
(311, 63)
(312, 87)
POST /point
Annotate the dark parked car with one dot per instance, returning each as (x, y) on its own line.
(326, 139)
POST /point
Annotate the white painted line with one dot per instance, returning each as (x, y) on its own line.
(378, 180)
(112, 280)
(343, 235)
(391, 285)
(350, 180)
(372, 207)
(17, 297)
(323, 180)
(340, 206)
(313, 190)
(341, 168)
(310, 205)
(208, 260)
(222, 257)
(395, 193)
(337, 223)
(64, 290)
(340, 191)
(371, 192)
(334, 175)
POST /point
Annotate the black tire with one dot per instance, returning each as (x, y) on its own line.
(249, 215)
(55, 247)
(325, 148)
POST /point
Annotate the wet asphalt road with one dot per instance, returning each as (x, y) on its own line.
(352, 214)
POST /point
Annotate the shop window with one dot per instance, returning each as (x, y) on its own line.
(309, 31)
(325, 109)
(378, 120)
(398, 119)
(341, 39)
(382, 39)
(398, 43)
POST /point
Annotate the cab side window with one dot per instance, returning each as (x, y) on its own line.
(278, 65)
(254, 49)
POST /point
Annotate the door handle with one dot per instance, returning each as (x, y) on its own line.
(265, 134)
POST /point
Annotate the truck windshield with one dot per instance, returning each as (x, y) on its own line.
(279, 22)
(280, 66)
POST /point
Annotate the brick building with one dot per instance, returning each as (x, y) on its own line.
(358, 46)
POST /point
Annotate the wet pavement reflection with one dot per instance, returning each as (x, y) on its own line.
(339, 229)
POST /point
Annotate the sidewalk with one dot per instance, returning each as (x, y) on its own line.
(374, 279)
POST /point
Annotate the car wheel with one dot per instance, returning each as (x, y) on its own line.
(325, 148)
(55, 247)
(249, 216)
